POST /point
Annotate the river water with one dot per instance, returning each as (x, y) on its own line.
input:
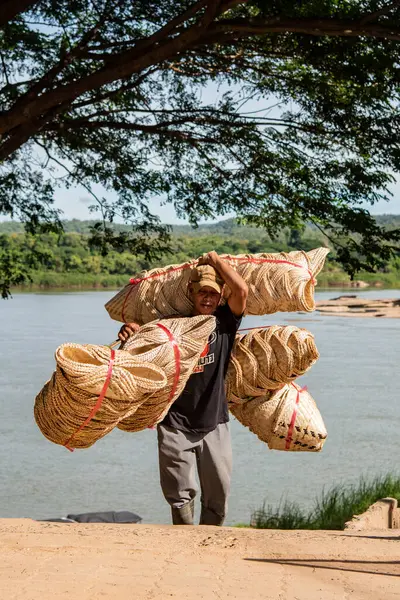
(354, 384)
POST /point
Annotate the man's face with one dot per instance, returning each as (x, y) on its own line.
(205, 301)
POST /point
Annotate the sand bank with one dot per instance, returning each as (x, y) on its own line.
(353, 306)
(51, 561)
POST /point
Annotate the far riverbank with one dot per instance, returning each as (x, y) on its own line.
(353, 305)
(65, 282)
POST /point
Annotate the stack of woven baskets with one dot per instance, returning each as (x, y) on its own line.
(95, 389)
(261, 391)
(277, 282)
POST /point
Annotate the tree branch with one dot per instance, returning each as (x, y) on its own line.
(316, 27)
(192, 117)
(119, 126)
(59, 66)
(11, 8)
(378, 13)
(247, 122)
(26, 131)
(5, 70)
(127, 63)
(172, 25)
(113, 93)
(123, 65)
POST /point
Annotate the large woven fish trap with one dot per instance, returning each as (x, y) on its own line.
(287, 419)
(92, 389)
(265, 359)
(277, 282)
(175, 346)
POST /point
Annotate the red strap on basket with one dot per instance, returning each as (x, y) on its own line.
(294, 415)
(252, 328)
(136, 280)
(177, 355)
(98, 403)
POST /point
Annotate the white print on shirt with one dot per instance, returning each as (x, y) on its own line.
(205, 358)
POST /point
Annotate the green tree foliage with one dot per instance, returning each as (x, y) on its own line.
(112, 95)
(68, 260)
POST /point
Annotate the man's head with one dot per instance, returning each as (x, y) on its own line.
(205, 289)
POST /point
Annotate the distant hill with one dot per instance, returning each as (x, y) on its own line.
(227, 227)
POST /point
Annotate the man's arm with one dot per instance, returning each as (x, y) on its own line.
(239, 290)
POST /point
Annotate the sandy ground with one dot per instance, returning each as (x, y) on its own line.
(147, 562)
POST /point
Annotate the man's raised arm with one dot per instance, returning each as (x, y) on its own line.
(238, 298)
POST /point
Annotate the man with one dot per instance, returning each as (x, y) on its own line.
(196, 431)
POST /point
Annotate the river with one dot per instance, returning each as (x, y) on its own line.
(354, 384)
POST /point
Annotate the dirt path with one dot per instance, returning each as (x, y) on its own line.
(51, 561)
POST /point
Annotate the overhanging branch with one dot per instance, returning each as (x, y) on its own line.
(315, 27)
(122, 66)
(119, 126)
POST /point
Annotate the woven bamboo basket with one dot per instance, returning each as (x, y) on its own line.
(265, 359)
(191, 334)
(64, 407)
(277, 282)
(287, 419)
(66, 400)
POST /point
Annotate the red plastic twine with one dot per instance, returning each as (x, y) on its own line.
(177, 355)
(98, 403)
(294, 416)
(134, 281)
(251, 328)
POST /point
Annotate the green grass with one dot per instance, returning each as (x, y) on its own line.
(332, 509)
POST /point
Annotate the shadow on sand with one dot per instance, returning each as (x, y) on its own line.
(389, 568)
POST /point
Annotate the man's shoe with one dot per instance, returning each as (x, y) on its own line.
(209, 517)
(183, 515)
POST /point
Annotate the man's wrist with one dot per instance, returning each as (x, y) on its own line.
(218, 263)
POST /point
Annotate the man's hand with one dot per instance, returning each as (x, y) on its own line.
(127, 330)
(210, 258)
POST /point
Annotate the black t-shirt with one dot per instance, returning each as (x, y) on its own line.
(202, 404)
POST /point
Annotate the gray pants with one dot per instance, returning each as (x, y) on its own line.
(179, 452)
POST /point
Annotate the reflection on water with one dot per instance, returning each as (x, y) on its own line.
(354, 384)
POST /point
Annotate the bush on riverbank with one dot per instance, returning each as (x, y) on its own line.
(332, 509)
(68, 261)
(48, 280)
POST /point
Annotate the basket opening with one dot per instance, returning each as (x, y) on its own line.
(80, 355)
